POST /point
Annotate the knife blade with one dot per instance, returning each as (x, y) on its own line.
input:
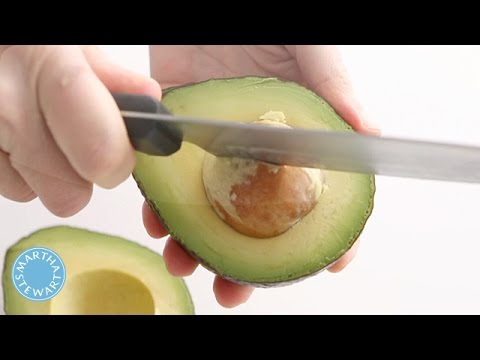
(155, 131)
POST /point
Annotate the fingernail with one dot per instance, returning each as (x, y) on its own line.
(373, 130)
(154, 89)
(369, 125)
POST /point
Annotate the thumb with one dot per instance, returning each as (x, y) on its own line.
(118, 79)
(324, 72)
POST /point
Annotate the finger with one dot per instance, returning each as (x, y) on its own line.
(25, 137)
(118, 79)
(39, 161)
(59, 188)
(12, 186)
(151, 222)
(345, 259)
(325, 73)
(177, 260)
(329, 78)
(229, 294)
(83, 118)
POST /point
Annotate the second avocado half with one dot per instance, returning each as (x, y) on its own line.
(105, 275)
(250, 223)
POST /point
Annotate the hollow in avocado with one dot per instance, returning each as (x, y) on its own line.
(105, 275)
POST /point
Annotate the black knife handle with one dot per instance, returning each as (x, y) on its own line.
(147, 135)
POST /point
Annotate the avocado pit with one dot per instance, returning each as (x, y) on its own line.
(258, 199)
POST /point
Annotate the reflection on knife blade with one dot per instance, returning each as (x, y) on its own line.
(333, 150)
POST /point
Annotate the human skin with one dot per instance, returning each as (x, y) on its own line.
(319, 68)
(61, 131)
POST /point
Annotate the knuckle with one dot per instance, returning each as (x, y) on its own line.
(13, 130)
(11, 122)
(65, 78)
(60, 70)
(25, 195)
(69, 202)
(21, 194)
(12, 185)
(30, 60)
(6, 130)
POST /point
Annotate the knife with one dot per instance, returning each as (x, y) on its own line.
(153, 130)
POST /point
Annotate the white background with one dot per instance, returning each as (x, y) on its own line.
(419, 250)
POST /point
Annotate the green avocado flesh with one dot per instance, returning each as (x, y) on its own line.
(174, 189)
(104, 275)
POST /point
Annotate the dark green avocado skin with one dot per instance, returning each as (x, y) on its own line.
(211, 267)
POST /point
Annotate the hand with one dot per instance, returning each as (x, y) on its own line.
(60, 129)
(317, 67)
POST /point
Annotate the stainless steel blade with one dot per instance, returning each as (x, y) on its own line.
(341, 151)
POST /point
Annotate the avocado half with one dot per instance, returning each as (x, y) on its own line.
(105, 275)
(173, 187)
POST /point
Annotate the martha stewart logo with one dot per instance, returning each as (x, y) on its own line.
(38, 274)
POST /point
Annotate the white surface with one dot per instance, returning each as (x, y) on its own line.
(419, 251)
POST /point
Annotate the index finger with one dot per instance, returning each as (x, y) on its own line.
(83, 118)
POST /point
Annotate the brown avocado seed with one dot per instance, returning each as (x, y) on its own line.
(258, 199)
